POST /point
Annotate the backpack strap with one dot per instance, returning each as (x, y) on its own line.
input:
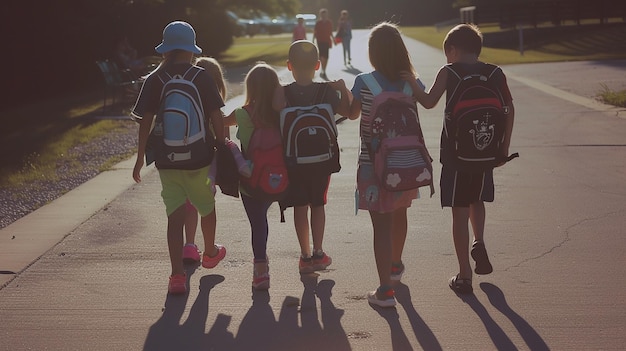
(192, 72)
(373, 85)
(256, 123)
(486, 71)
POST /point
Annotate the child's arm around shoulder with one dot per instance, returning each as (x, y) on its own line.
(231, 119)
(431, 98)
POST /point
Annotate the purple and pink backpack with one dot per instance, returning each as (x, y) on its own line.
(397, 150)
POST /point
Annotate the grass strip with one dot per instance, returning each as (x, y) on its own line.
(616, 98)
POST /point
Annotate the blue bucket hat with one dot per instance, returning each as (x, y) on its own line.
(178, 35)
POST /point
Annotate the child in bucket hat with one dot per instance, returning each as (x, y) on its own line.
(178, 48)
(178, 35)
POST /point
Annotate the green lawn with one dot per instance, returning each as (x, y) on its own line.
(593, 44)
(247, 51)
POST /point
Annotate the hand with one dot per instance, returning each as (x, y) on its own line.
(137, 169)
(407, 76)
(337, 84)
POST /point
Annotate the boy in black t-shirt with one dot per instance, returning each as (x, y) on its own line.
(178, 185)
(309, 190)
(466, 191)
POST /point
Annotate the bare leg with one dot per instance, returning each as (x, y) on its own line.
(398, 234)
(477, 218)
(208, 224)
(460, 234)
(175, 223)
(191, 224)
(301, 222)
(318, 223)
(382, 245)
(324, 61)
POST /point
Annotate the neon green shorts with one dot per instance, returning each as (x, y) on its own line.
(179, 185)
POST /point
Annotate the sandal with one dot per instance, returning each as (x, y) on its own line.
(461, 286)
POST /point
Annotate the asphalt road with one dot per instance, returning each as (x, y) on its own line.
(90, 269)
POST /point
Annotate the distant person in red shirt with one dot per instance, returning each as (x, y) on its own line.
(323, 35)
(299, 31)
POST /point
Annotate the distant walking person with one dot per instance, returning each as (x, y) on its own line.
(299, 31)
(323, 36)
(344, 31)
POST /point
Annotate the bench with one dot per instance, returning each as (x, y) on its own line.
(117, 82)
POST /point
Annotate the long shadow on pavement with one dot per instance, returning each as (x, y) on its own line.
(399, 339)
(352, 70)
(527, 332)
(168, 334)
(259, 330)
(298, 326)
(424, 335)
(500, 340)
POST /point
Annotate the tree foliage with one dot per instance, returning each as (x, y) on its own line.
(403, 12)
(271, 7)
(53, 45)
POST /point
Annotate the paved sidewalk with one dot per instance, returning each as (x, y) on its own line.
(90, 269)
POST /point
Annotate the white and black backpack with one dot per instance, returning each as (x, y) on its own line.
(310, 134)
(180, 139)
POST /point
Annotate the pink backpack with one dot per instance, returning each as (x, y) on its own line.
(397, 150)
(269, 179)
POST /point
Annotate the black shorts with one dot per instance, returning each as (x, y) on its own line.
(323, 49)
(308, 189)
(460, 189)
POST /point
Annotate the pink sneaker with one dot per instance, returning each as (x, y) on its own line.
(211, 262)
(305, 265)
(261, 281)
(191, 254)
(177, 284)
(321, 261)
